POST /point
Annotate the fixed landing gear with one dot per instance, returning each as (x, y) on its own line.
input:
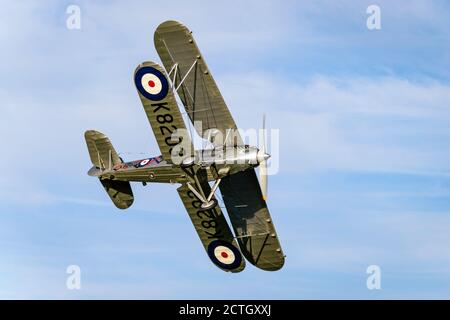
(187, 162)
(209, 204)
(208, 200)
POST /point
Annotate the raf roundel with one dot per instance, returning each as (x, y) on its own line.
(144, 162)
(224, 254)
(151, 83)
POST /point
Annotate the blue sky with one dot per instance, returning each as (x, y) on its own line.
(364, 125)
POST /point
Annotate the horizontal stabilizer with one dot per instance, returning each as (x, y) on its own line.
(119, 191)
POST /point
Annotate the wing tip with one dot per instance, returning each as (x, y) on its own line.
(169, 23)
(274, 267)
(152, 64)
(91, 133)
(164, 27)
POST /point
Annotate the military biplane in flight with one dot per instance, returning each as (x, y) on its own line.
(228, 165)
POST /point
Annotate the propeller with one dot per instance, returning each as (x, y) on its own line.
(262, 157)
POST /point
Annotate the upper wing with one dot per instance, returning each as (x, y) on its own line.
(161, 109)
(251, 220)
(213, 229)
(198, 91)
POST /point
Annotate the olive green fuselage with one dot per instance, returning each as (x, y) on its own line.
(228, 159)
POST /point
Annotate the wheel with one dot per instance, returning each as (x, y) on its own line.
(209, 205)
(187, 162)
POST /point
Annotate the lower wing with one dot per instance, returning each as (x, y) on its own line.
(251, 220)
(213, 229)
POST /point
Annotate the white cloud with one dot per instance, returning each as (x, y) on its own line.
(373, 124)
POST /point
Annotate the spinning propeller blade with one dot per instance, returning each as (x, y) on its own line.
(262, 158)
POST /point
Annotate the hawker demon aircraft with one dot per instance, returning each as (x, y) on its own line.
(228, 166)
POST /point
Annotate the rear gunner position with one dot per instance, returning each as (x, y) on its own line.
(229, 166)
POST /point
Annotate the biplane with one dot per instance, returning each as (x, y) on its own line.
(227, 164)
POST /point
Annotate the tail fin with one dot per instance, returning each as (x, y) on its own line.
(103, 156)
(102, 153)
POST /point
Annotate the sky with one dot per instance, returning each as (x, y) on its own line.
(364, 170)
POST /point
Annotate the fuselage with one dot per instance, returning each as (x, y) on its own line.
(157, 169)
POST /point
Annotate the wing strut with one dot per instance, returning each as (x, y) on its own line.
(175, 87)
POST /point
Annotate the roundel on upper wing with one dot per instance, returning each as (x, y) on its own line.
(151, 83)
(224, 254)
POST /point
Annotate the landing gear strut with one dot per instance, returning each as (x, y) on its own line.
(209, 202)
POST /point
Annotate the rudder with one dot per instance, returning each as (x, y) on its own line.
(102, 153)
